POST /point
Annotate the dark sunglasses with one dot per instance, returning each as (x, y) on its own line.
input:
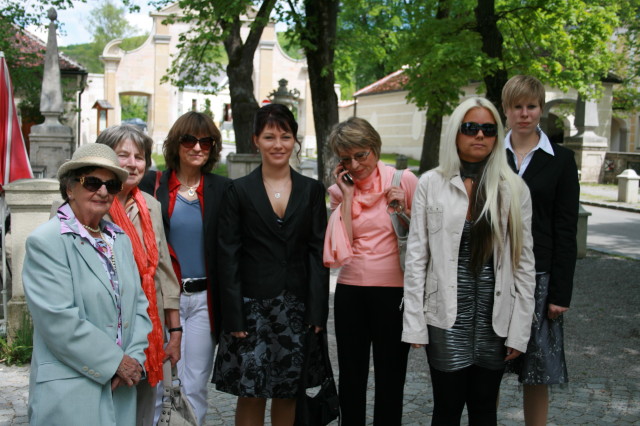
(93, 184)
(471, 129)
(189, 141)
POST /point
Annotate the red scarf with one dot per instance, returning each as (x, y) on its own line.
(147, 261)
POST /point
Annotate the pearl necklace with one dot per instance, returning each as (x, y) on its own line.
(112, 258)
(95, 230)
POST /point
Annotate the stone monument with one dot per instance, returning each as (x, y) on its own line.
(589, 148)
(51, 141)
(30, 203)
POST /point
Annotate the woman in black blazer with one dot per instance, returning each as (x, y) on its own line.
(550, 172)
(273, 283)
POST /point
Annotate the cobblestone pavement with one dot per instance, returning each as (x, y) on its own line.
(602, 331)
(585, 402)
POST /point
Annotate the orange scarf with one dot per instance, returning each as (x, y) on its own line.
(147, 261)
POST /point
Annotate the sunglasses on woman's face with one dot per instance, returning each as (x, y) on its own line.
(471, 129)
(189, 141)
(93, 184)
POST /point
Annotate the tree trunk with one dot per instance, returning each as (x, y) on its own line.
(431, 143)
(243, 103)
(487, 27)
(319, 38)
(240, 74)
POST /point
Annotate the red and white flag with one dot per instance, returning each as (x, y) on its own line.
(14, 161)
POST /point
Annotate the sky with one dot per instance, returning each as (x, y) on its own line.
(74, 22)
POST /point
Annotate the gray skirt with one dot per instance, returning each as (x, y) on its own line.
(544, 362)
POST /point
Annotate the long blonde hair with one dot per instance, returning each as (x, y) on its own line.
(495, 171)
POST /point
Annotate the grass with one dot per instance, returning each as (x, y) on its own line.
(391, 159)
(19, 351)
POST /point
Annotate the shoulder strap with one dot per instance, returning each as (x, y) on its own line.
(397, 178)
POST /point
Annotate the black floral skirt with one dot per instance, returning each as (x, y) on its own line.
(267, 363)
(544, 362)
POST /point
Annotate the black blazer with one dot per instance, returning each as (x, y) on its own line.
(260, 259)
(555, 194)
(214, 186)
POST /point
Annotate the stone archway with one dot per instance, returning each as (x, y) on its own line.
(135, 105)
(619, 135)
(557, 119)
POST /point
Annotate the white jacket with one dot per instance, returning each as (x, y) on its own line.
(431, 275)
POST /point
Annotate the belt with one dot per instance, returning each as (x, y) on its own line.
(193, 285)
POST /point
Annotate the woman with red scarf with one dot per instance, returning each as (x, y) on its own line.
(139, 215)
(190, 197)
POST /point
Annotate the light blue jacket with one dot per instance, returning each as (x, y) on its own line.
(74, 312)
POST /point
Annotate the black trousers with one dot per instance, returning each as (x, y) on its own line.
(366, 317)
(474, 386)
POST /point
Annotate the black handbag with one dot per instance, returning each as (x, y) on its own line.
(323, 407)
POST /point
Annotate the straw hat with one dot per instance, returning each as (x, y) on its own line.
(96, 155)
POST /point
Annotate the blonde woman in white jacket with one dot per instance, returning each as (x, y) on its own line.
(470, 277)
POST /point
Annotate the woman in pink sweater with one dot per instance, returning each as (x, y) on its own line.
(361, 239)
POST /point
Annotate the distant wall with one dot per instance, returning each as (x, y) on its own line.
(616, 162)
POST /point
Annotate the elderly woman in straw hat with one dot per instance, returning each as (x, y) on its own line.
(89, 312)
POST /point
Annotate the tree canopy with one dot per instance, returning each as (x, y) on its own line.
(452, 43)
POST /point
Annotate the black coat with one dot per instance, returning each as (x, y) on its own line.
(213, 189)
(260, 258)
(555, 194)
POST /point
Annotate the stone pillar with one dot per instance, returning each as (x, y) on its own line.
(589, 148)
(111, 57)
(239, 165)
(265, 81)
(581, 237)
(51, 141)
(628, 186)
(30, 203)
(160, 119)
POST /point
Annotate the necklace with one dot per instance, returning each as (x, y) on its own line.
(112, 258)
(276, 194)
(191, 189)
(95, 230)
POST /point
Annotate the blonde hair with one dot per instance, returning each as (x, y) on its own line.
(522, 87)
(496, 170)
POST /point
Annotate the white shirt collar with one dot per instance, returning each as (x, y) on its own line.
(544, 143)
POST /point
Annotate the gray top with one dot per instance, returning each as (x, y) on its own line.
(186, 236)
(471, 340)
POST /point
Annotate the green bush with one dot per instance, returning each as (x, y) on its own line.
(19, 351)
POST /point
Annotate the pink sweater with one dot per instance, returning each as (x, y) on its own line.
(373, 258)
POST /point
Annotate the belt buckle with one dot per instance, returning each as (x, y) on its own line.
(184, 289)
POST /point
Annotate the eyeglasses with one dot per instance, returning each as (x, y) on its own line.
(358, 156)
(93, 184)
(189, 141)
(471, 129)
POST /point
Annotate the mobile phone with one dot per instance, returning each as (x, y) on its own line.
(347, 179)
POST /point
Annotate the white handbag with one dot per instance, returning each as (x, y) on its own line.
(176, 409)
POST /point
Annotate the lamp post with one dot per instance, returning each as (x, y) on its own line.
(282, 95)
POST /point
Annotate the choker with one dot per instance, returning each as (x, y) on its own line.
(472, 171)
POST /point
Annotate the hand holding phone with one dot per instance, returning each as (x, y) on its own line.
(347, 178)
